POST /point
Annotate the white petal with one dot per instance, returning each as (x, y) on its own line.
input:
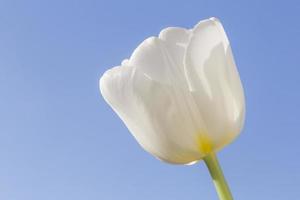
(154, 113)
(175, 41)
(151, 60)
(214, 81)
(175, 35)
(125, 62)
(160, 59)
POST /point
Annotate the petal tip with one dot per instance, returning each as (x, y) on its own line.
(162, 34)
(217, 22)
(101, 84)
(105, 77)
(152, 40)
(142, 46)
(102, 80)
(215, 19)
(125, 62)
(174, 35)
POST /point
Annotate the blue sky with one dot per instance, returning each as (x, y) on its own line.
(60, 140)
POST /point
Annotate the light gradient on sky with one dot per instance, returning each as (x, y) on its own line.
(60, 140)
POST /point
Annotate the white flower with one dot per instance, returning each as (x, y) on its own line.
(179, 94)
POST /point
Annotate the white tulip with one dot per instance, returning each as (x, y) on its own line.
(179, 94)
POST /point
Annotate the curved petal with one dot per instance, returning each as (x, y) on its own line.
(214, 81)
(154, 113)
(161, 59)
(152, 60)
(175, 35)
(175, 40)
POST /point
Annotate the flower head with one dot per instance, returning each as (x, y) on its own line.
(179, 94)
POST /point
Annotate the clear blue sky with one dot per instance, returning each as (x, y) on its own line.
(59, 140)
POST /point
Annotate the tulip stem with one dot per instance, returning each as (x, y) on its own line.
(216, 173)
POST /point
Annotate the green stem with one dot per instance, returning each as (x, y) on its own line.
(216, 173)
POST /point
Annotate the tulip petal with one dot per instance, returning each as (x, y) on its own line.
(175, 40)
(175, 36)
(214, 81)
(161, 59)
(152, 113)
(151, 59)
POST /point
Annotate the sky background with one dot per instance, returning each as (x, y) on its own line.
(59, 140)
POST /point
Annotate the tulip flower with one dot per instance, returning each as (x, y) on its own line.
(180, 96)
